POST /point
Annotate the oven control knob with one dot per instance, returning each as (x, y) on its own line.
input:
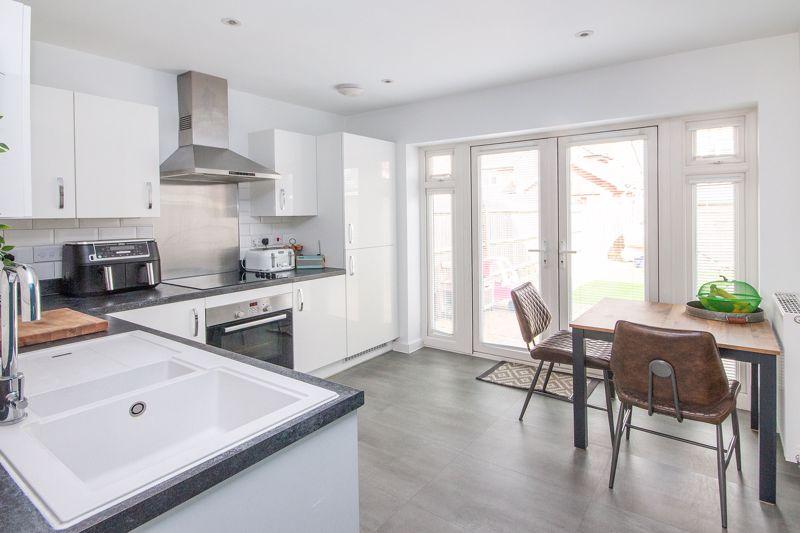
(266, 309)
(239, 314)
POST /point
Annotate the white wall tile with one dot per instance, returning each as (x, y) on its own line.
(118, 233)
(43, 254)
(45, 270)
(28, 237)
(58, 269)
(244, 229)
(78, 234)
(136, 222)
(23, 254)
(144, 232)
(99, 223)
(52, 223)
(18, 223)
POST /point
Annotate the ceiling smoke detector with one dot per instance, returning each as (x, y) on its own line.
(387, 81)
(349, 89)
(584, 34)
(231, 22)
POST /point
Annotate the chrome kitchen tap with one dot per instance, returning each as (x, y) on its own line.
(12, 392)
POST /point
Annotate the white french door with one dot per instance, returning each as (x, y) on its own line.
(576, 216)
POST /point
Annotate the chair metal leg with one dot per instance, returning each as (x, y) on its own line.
(531, 389)
(723, 496)
(737, 446)
(628, 428)
(547, 376)
(609, 402)
(617, 442)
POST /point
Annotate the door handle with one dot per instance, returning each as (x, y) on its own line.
(253, 324)
(543, 250)
(283, 199)
(60, 182)
(352, 266)
(563, 251)
(350, 234)
(108, 278)
(151, 276)
(301, 303)
(196, 323)
(149, 195)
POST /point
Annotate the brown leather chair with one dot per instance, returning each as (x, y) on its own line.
(679, 374)
(534, 318)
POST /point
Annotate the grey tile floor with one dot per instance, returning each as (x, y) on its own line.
(440, 451)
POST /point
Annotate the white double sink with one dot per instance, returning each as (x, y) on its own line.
(111, 417)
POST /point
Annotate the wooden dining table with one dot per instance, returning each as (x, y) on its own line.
(752, 343)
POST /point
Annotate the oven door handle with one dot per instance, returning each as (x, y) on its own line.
(254, 323)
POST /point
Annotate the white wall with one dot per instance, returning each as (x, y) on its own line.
(764, 72)
(40, 241)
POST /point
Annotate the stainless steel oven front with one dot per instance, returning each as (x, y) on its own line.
(261, 329)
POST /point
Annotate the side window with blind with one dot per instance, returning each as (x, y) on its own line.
(717, 170)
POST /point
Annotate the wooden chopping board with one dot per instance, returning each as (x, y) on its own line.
(59, 324)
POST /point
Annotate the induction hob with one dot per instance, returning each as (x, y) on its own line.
(225, 279)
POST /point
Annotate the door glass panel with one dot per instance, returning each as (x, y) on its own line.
(714, 231)
(509, 229)
(606, 228)
(440, 220)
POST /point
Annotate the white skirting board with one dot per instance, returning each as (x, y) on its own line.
(349, 362)
(409, 347)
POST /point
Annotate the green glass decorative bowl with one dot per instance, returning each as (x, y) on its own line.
(729, 296)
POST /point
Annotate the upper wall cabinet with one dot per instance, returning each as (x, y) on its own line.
(15, 155)
(116, 158)
(52, 152)
(294, 156)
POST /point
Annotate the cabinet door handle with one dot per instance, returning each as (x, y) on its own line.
(60, 182)
(108, 277)
(283, 199)
(149, 195)
(301, 303)
(350, 234)
(352, 266)
(196, 323)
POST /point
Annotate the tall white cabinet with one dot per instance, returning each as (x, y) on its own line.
(15, 155)
(357, 221)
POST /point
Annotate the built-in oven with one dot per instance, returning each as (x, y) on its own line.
(261, 329)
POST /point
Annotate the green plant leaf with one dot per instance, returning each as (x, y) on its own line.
(3, 148)
(7, 248)
(4, 226)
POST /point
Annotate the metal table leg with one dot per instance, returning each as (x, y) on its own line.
(767, 433)
(754, 396)
(579, 418)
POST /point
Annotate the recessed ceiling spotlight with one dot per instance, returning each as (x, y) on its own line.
(349, 89)
(584, 34)
(387, 81)
(231, 22)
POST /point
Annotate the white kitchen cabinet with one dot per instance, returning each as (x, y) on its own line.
(183, 319)
(294, 156)
(116, 158)
(371, 281)
(15, 150)
(369, 191)
(319, 323)
(52, 152)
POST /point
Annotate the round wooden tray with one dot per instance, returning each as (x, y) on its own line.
(695, 308)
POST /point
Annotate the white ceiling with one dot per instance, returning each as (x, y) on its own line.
(297, 50)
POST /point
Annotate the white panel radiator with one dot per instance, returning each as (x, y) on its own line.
(787, 326)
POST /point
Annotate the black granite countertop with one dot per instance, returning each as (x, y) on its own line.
(17, 512)
(165, 293)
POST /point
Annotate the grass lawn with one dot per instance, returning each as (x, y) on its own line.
(594, 291)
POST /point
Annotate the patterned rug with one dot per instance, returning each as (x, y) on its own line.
(520, 376)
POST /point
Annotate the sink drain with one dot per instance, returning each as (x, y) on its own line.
(137, 409)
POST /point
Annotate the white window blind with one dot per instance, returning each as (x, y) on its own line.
(716, 237)
(440, 260)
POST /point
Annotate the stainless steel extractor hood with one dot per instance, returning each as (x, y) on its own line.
(203, 155)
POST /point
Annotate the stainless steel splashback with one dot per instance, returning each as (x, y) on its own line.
(198, 231)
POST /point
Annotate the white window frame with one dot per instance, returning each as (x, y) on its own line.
(740, 145)
(434, 178)
(430, 192)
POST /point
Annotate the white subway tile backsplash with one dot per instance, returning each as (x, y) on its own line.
(17, 223)
(46, 270)
(244, 229)
(23, 254)
(118, 233)
(58, 269)
(78, 234)
(53, 223)
(43, 254)
(99, 223)
(136, 222)
(144, 232)
(28, 237)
